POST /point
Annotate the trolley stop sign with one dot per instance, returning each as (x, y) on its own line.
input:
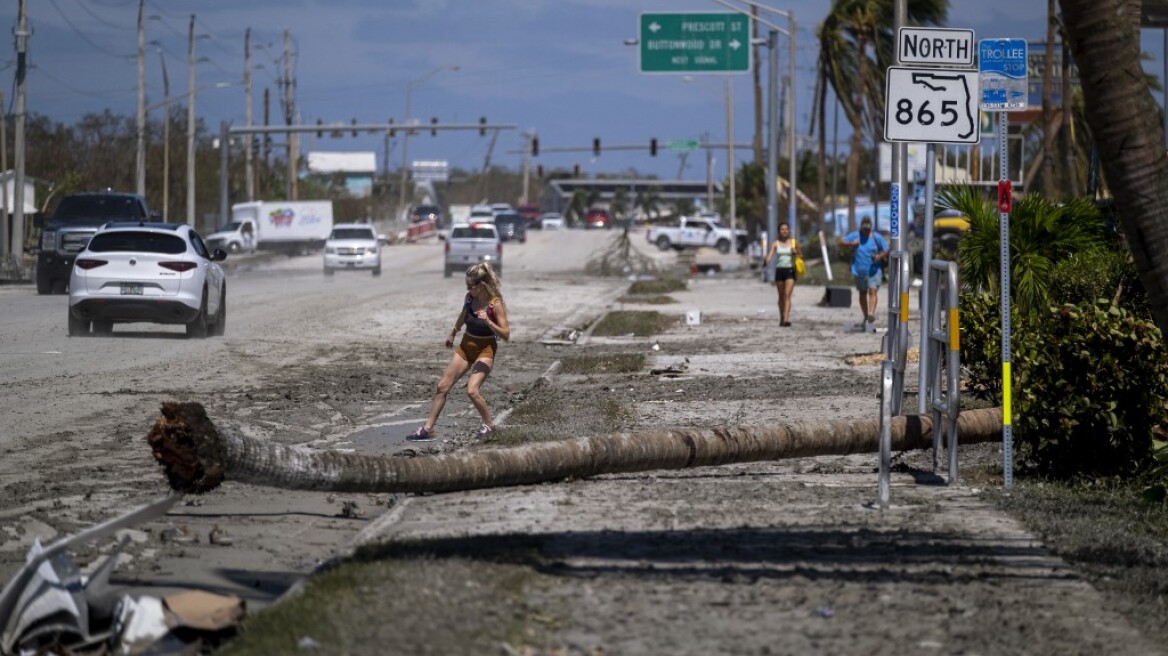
(1002, 65)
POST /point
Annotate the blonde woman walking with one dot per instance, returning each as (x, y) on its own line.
(484, 316)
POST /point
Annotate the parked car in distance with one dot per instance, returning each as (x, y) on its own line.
(511, 226)
(152, 272)
(551, 221)
(471, 243)
(352, 246)
(597, 218)
(530, 214)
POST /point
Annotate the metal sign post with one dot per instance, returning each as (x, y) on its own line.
(1002, 65)
(1004, 206)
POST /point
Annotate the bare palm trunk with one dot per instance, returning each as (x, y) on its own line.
(1125, 122)
(853, 177)
(1048, 185)
(821, 156)
(197, 455)
(756, 74)
(1070, 162)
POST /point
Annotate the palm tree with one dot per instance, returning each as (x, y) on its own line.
(1042, 233)
(197, 455)
(1125, 122)
(1048, 186)
(851, 28)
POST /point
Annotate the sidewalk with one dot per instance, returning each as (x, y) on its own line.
(781, 557)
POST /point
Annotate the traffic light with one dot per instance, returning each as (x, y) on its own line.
(575, 170)
(539, 170)
(482, 126)
(255, 145)
(392, 133)
(653, 146)
(354, 124)
(535, 146)
(319, 132)
(596, 147)
(433, 121)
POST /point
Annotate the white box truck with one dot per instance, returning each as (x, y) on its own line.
(292, 227)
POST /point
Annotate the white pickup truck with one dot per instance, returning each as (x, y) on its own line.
(471, 243)
(694, 232)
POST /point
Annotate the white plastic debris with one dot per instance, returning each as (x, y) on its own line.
(142, 622)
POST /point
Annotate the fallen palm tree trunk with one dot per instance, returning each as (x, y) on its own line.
(197, 455)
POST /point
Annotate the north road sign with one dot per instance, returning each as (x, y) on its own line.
(694, 42)
(931, 46)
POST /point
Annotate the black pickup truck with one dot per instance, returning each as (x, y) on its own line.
(74, 221)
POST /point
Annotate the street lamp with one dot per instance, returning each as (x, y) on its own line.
(406, 132)
(732, 191)
(165, 105)
(191, 61)
(772, 174)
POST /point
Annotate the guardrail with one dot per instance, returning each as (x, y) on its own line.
(421, 230)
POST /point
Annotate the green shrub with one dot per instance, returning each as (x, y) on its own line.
(981, 344)
(1090, 388)
(1089, 383)
(1100, 274)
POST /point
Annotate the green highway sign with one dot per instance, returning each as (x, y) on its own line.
(695, 42)
(683, 145)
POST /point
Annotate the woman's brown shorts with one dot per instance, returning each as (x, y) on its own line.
(473, 348)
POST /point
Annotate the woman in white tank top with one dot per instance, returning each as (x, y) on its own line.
(784, 250)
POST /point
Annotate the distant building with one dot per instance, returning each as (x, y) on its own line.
(355, 170)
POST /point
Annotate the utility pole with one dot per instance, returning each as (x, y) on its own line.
(4, 169)
(249, 171)
(756, 73)
(17, 245)
(289, 115)
(709, 172)
(165, 139)
(140, 157)
(191, 123)
(527, 136)
(267, 141)
(730, 158)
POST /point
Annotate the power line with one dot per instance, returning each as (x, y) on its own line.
(92, 94)
(86, 38)
(114, 26)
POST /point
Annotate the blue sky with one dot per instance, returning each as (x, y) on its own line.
(559, 68)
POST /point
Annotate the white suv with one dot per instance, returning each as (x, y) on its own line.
(140, 271)
(352, 246)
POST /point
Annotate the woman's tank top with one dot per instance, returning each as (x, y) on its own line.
(784, 255)
(476, 327)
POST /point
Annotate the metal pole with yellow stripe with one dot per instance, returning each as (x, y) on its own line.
(1004, 206)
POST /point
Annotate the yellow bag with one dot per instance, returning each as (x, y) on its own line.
(800, 267)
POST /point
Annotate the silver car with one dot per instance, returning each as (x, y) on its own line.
(147, 272)
(352, 246)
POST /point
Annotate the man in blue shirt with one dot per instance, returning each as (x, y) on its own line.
(867, 263)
